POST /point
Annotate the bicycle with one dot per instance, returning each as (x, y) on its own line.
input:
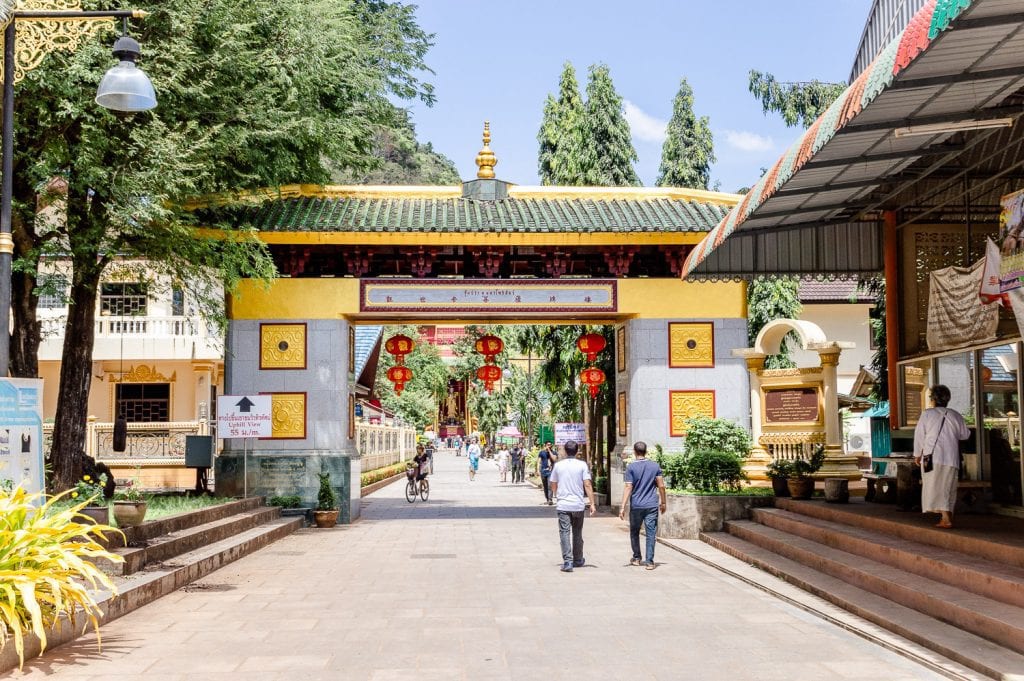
(412, 488)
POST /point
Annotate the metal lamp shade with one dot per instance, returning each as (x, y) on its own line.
(127, 89)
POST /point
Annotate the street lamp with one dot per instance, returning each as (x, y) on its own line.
(124, 89)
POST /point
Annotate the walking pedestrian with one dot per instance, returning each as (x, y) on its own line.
(645, 492)
(473, 452)
(503, 465)
(937, 451)
(517, 464)
(545, 461)
(572, 488)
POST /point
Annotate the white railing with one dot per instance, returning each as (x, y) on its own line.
(136, 327)
(380, 446)
(147, 444)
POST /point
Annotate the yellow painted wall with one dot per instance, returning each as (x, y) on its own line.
(331, 298)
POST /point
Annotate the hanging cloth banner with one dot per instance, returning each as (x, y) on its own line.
(990, 285)
(956, 316)
(1016, 297)
(1011, 240)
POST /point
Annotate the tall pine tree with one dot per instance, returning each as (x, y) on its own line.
(689, 150)
(610, 142)
(563, 157)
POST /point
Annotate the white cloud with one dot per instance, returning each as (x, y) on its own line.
(644, 126)
(748, 141)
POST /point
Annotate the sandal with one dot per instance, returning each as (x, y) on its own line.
(944, 526)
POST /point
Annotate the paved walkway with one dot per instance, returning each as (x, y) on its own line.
(466, 587)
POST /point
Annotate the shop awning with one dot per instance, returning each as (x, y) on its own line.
(946, 89)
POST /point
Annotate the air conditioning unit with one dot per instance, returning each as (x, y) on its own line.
(858, 438)
(859, 442)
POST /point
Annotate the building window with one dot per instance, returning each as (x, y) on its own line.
(121, 300)
(144, 402)
(177, 302)
(53, 291)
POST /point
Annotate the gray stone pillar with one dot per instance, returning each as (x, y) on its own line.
(304, 366)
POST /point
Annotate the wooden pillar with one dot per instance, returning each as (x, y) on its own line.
(890, 243)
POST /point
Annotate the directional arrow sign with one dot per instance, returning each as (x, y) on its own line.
(243, 416)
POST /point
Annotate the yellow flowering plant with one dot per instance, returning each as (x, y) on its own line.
(89, 489)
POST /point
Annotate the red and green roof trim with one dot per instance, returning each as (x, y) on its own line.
(926, 25)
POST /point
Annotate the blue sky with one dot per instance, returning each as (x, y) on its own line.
(498, 60)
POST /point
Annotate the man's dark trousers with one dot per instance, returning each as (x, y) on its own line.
(544, 483)
(648, 517)
(570, 524)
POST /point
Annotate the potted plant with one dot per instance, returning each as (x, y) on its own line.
(326, 513)
(801, 484)
(129, 506)
(779, 471)
(90, 489)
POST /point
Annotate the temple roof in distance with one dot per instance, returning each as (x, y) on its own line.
(486, 206)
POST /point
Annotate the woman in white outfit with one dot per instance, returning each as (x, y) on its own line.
(937, 434)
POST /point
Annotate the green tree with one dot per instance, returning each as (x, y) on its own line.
(768, 300)
(252, 94)
(611, 154)
(797, 103)
(564, 154)
(880, 357)
(689, 150)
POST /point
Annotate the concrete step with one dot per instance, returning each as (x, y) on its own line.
(994, 538)
(984, 617)
(152, 529)
(167, 546)
(159, 580)
(994, 580)
(981, 655)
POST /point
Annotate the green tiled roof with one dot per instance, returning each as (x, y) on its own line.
(355, 214)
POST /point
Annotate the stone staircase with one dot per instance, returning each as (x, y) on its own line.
(959, 594)
(161, 556)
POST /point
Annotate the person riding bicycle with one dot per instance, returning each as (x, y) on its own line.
(421, 461)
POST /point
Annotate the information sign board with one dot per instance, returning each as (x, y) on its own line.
(244, 416)
(21, 432)
(570, 431)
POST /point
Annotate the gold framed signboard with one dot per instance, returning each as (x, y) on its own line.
(620, 349)
(288, 416)
(793, 405)
(622, 416)
(686, 404)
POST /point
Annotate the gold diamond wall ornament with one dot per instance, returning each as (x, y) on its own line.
(282, 346)
(691, 345)
(686, 404)
(288, 416)
(38, 37)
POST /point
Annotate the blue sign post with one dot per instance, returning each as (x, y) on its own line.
(21, 432)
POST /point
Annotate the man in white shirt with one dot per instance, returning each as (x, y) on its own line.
(572, 488)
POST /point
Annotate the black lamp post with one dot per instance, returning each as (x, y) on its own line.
(124, 88)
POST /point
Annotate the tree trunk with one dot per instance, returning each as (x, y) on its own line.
(68, 449)
(26, 332)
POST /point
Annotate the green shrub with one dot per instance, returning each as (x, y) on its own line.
(803, 468)
(325, 499)
(47, 573)
(601, 484)
(705, 434)
(377, 474)
(779, 468)
(286, 501)
(673, 466)
(713, 471)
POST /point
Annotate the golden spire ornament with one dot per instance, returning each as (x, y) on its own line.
(486, 160)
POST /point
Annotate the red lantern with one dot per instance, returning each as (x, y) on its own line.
(489, 346)
(399, 346)
(591, 344)
(592, 377)
(399, 375)
(489, 373)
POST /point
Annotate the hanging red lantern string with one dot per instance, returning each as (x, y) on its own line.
(489, 373)
(592, 377)
(489, 346)
(399, 346)
(590, 344)
(399, 375)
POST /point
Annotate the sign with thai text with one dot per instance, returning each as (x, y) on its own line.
(792, 405)
(487, 295)
(570, 431)
(21, 433)
(244, 416)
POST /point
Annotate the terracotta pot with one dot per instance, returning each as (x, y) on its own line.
(129, 513)
(325, 518)
(801, 488)
(780, 486)
(837, 490)
(98, 515)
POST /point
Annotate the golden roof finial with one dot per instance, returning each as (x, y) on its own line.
(486, 160)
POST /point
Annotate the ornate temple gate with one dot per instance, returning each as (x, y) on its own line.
(488, 252)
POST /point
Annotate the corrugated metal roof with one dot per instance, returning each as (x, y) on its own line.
(433, 214)
(367, 338)
(956, 60)
(840, 291)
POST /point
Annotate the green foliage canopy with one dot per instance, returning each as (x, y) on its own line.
(798, 103)
(564, 154)
(688, 151)
(610, 143)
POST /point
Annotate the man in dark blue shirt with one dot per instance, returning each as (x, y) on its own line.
(545, 461)
(645, 492)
